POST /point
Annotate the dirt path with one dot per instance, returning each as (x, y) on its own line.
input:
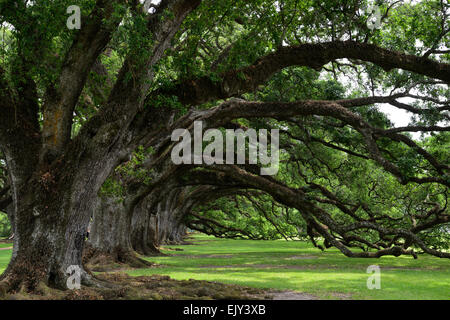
(196, 256)
(292, 295)
(263, 266)
(9, 248)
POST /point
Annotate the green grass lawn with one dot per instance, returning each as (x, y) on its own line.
(5, 245)
(5, 255)
(298, 266)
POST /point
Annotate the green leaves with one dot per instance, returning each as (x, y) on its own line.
(5, 226)
(131, 172)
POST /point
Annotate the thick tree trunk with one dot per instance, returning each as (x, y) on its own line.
(144, 235)
(178, 234)
(109, 240)
(48, 240)
(157, 220)
(169, 225)
(52, 209)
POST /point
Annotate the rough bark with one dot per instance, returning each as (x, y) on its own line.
(144, 230)
(178, 233)
(109, 238)
(51, 217)
(158, 219)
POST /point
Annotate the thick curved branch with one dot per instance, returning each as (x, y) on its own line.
(236, 82)
(237, 108)
(62, 96)
(322, 221)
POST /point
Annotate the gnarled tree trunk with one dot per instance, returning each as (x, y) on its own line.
(109, 238)
(49, 236)
(51, 216)
(178, 234)
(157, 219)
(144, 231)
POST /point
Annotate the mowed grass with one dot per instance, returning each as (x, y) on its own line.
(296, 265)
(5, 255)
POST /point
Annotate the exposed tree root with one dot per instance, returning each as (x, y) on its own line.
(150, 252)
(99, 261)
(22, 284)
(22, 276)
(156, 287)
